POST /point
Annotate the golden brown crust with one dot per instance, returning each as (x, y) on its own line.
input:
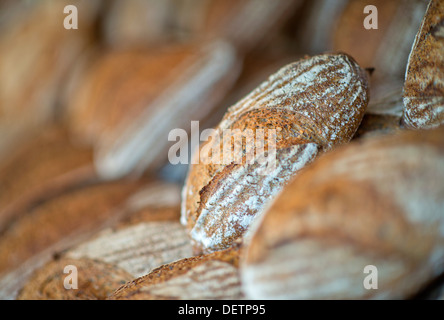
(134, 98)
(44, 165)
(145, 234)
(119, 87)
(424, 82)
(152, 214)
(96, 280)
(37, 55)
(140, 287)
(72, 213)
(377, 201)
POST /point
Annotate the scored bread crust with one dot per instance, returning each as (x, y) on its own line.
(424, 80)
(313, 104)
(377, 201)
(211, 276)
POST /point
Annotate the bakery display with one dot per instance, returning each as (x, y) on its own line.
(221, 150)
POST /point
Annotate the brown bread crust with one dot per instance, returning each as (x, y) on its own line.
(377, 201)
(313, 104)
(218, 269)
(96, 281)
(424, 79)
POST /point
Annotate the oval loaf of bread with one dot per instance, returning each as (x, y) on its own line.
(424, 79)
(131, 99)
(376, 202)
(312, 104)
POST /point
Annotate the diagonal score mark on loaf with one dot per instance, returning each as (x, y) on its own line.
(238, 193)
(208, 280)
(424, 82)
(315, 104)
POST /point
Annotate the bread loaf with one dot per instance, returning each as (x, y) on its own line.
(133, 250)
(150, 237)
(313, 104)
(375, 202)
(132, 99)
(133, 227)
(36, 57)
(70, 214)
(40, 167)
(211, 276)
(424, 77)
(95, 281)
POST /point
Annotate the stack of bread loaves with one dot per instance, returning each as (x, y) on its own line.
(323, 180)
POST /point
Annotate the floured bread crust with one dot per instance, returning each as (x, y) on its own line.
(313, 104)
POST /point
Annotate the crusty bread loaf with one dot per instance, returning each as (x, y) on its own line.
(211, 276)
(133, 249)
(149, 236)
(95, 281)
(153, 257)
(313, 104)
(44, 165)
(133, 226)
(137, 248)
(424, 77)
(376, 201)
(36, 57)
(71, 213)
(132, 99)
